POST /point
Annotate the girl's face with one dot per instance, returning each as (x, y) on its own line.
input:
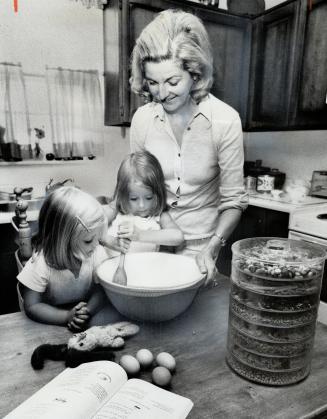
(87, 241)
(169, 84)
(141, 199)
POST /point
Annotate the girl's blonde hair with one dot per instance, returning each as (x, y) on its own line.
(144, 167)
(65, 214)
(179, 36)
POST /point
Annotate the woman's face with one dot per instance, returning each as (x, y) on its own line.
(169, 84)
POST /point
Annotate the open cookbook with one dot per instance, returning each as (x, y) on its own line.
(101, 390)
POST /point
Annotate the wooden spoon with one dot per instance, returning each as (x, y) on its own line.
(120, 276)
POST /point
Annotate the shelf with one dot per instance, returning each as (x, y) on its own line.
(44, 162)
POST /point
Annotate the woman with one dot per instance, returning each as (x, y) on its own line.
(196, 137)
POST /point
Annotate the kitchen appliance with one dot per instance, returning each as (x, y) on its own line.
(274, 299)
(279, 178)
(319, 183)
(309, 225)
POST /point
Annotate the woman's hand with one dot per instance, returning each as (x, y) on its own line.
(206, 260)
(78, 317)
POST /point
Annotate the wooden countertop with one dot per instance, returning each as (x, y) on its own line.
(198, 341)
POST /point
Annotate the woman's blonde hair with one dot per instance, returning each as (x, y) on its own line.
(65, 214)
(179, 36)
(144, 167)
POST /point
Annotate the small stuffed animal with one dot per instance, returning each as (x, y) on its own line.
(103, 336)
(84, 346)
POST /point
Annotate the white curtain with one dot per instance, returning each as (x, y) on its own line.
(76, 112)
(15, 133)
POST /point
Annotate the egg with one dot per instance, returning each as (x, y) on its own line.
(164, 359)
(130, 364)
(145, 358)
(161, 376)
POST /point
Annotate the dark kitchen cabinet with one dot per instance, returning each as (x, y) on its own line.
(230, 36)
(274, 63)
(9, 271)
(311, 88)
(255, 222)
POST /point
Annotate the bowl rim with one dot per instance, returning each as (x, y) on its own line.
(144, 291)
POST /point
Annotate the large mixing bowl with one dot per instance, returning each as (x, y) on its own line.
(160, 285)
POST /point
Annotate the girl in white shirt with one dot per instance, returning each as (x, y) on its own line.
(57, 282)
(139, 221)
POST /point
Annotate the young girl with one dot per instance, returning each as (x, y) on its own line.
(140, 221)
(57, 281)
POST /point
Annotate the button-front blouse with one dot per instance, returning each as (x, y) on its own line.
(204, 176)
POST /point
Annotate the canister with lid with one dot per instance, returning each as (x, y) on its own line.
(265, 183)
(274, 299)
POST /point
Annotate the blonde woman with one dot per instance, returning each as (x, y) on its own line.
(57, 282)
(196, 137)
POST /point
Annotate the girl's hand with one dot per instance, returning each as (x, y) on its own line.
(78, 317)
(123, 245)
(127, 230)
(115, 243)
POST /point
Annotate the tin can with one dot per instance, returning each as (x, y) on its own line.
(265, 183)
(250, 183)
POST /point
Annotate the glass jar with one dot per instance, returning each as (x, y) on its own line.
(274, 299)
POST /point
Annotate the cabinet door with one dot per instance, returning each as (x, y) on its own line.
(312, 79)
(274, 61)
(123, 22)
(230, 38)
(255, 222)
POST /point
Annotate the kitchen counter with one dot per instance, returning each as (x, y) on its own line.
(198, 341)
(282, 204)
(256, 200)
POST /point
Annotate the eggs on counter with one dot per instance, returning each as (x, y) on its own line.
(165, 365)
(145, 358)
(130, 364)
(164, 359)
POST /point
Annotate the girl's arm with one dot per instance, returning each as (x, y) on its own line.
(169, 235)
(36, 309)
(97, 300)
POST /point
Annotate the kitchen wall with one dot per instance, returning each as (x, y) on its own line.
(58, 33)
(297, 153)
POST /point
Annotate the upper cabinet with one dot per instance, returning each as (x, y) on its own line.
(311, 90)
(272, 68)
(274, 63)
(230, 37)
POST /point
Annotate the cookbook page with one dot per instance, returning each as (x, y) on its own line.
(138, 399)
(76, 393)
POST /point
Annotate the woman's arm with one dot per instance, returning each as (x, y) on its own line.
(206, 259)
(169, 235)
